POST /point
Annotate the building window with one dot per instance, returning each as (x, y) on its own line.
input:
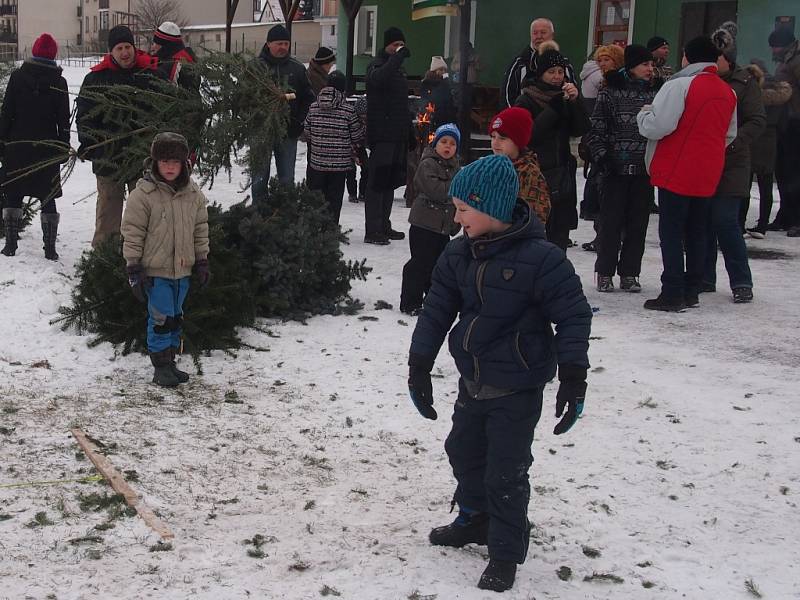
(94, 20)
(333, 30)
(612, 22)
(365, 37)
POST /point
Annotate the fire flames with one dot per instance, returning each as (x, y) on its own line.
(424, 123)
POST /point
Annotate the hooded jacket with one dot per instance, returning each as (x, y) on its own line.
(690, 123)
(433, 207)
(333, 131)
(163, 229)
(291, 75)
(507, 290)
(591, 80)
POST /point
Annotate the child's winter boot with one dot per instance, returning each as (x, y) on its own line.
(12, 218)
(182, 376)
(469, 527)
(162, 362)
(49, 234)
(498, 576)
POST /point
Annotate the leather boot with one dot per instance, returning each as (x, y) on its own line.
(182, 376)
(12, 219)
(49, 234)
(162, 363)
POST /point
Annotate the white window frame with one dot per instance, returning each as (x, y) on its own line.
(593, 20)
(356, 31)
(450, 22)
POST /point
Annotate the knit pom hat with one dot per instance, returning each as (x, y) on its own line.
(392, 35)
(612, 51)
(701, 49)
(120, 35)
(489, 185)
(724, 38)
(279, 33)
(168, 34)
(636, 55)
(437, 62)
(548, 60)
(656, 42)
(447, 129)
(781, 37)
(324, 56)
(45, 47)
(337, 80)
(515, 123)
(169, 146)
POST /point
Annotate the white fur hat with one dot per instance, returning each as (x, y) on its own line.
(437, 62)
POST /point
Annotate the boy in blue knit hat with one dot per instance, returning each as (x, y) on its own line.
(431, 215)
(508, 285)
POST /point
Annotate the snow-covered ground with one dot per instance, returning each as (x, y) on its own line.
(681, 478)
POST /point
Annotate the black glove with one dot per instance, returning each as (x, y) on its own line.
(571, 394)
(403, 52)
(202, 271)
(419, 385)
(138, 282)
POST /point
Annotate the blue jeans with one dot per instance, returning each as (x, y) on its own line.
(681, 225)
(164, 311)
(723, 226)
(285, 154)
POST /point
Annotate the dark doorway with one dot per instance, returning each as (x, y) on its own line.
(702, 18)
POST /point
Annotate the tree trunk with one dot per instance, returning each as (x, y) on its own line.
(230, 12)
(465, 110)
(351, 10)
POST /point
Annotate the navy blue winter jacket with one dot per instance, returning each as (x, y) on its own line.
(508, 290)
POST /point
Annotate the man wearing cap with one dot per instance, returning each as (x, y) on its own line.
(291, 75)
(786, 53)
(123, 65)
(319, 67)
(173, 56)
(659, 48)
(388, 132)
(525, 65)
(690, 123)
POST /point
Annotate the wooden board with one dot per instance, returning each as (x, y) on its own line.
(119, 485)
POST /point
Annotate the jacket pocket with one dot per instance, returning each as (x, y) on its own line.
(516, 351)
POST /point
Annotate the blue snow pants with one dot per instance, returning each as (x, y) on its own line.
(165, 312)
(489, 448)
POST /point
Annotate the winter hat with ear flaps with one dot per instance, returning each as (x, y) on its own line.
(169, 146)
(490, 185)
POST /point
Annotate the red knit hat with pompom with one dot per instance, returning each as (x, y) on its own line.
(515, 123)
(45, 47)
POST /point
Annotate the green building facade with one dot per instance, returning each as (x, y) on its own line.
(500, 28)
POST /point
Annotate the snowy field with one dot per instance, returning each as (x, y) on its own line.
(681, 479)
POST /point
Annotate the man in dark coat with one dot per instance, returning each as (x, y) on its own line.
(522, 71)
(35, 108)
(319, 68)
(734, 186)
(659, 47)
(123, 65)
(174, 58)
(291, 75)
(388, 131)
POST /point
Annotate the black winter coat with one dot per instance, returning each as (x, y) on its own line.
(388, 113)
(507, 289)
(108, 73)
(178, 67)
(290, 73)
(35, 107)
(438, 92)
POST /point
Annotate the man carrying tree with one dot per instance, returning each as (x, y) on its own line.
(123, 65)
(173, 55)
(291, 75)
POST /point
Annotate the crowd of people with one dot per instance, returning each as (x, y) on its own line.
(699, 136)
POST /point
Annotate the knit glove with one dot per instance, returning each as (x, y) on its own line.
(404, 53)
(202, 271)
(137, 281)
(571, 395)
(420, 387)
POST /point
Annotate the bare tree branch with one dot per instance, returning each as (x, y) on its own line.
(152, 13)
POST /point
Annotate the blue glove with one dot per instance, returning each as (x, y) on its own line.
(571, 395)
(420, 387)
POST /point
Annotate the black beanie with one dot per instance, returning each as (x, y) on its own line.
(324, 56)
(636, 55)
(701, 49)
(279, 33)
(337, 80)
(781, 37)
(548, 60)
(655, 42)
(392, 35)
(120, 35)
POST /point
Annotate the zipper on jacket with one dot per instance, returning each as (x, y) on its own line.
(465, 344)
(519, 351)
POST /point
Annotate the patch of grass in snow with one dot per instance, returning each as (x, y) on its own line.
(40, 519)
(751, 587)
(610, 577)
(590, 552)
(564, 573)
(329, 591)
(415, 595)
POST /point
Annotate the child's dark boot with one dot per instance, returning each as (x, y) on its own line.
(162, 363)
(469, 527)
(498, 576)
(182, 376)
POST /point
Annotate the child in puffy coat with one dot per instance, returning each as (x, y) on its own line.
(507, 285)
(165, 239)
(431, 215)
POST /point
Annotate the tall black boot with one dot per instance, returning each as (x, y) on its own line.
(49, 234)
(162, 362)
(182, 376)
(12, 218)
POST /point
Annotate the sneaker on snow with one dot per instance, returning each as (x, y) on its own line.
(468, 528)
(630, 284)
(691, 300)
(605, 283)
(665, 304)
(378, 240)
(742, 295)
(498, 576)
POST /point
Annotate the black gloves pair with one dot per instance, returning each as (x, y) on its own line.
(140, 284)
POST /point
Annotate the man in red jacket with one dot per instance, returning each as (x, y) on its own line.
(690, 123)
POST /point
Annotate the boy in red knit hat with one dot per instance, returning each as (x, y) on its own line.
(511, 131)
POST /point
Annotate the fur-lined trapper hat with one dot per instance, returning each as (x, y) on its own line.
(169, 146)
